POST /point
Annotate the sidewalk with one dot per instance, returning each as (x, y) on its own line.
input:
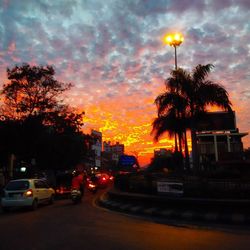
(179, 208)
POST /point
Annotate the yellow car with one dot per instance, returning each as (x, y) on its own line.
(26, 193)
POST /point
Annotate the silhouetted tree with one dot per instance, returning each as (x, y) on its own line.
(31, 90)
(198, 93)
(36, 123)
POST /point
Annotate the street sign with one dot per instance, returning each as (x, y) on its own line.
(175, 188)
(127, 160)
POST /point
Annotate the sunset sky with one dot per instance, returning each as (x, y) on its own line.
(112, 51)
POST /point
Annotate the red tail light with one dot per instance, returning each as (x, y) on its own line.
(60, 190)
(92, 185)
(28, 193)
(103, 178)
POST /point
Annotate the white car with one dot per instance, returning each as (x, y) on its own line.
(26, 193)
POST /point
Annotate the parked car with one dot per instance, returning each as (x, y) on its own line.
(26, 193)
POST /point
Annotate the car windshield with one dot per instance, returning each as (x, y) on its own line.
(17, 185)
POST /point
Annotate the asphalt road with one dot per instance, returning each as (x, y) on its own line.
(65, 226)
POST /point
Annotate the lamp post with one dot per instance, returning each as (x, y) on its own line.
(174, 40)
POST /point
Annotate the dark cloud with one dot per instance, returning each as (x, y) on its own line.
(64, 9)
(196, 34)
(219, 5)
(245, 4)
(185, 5)
(146, 7)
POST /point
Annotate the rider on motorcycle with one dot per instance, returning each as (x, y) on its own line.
(78, 181)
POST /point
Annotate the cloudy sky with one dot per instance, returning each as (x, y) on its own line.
(112, 52)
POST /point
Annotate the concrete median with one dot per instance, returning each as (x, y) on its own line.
(226, 211)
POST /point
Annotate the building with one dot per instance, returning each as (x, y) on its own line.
(96, 147)
(115, 150)
(107, 147)
(218, 137)
(158, 152)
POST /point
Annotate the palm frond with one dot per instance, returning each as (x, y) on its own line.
(200, 72)
(181, 81)
(214, 94)
(162, 125)
(170, 123)
(171, 84)
(167, 100)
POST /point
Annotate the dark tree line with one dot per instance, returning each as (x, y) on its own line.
(36, 123)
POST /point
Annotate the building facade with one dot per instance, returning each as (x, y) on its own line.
(219, 138)
(115, 150)
(96, 148)
(158, 152)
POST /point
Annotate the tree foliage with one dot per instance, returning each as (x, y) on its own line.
(32, 90)
(36, 124)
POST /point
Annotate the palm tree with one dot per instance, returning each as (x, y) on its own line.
(164, 123)
(170, 107)
(195, 93)
(171, 118)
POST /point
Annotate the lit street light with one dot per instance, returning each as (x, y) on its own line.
(174, 40)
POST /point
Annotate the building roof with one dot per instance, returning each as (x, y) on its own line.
(222, 134)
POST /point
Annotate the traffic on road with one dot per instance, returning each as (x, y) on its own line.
(29, 193)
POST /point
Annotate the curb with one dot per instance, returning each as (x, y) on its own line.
(171, 213)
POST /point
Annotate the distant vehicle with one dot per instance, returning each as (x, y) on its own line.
(63, 184)
(111, 177)
(91, 186)
(98, 180)
(103, 180)
(26, 193)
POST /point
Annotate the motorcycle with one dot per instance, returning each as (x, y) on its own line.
(76, 196)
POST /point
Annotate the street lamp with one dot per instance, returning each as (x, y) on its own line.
(174, 40)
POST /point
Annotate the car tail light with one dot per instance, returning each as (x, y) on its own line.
(103, 178)
(61, 190)
(111, 178)
(28, 193)
(92, 185)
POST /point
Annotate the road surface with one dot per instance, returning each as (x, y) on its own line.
(64, 226)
